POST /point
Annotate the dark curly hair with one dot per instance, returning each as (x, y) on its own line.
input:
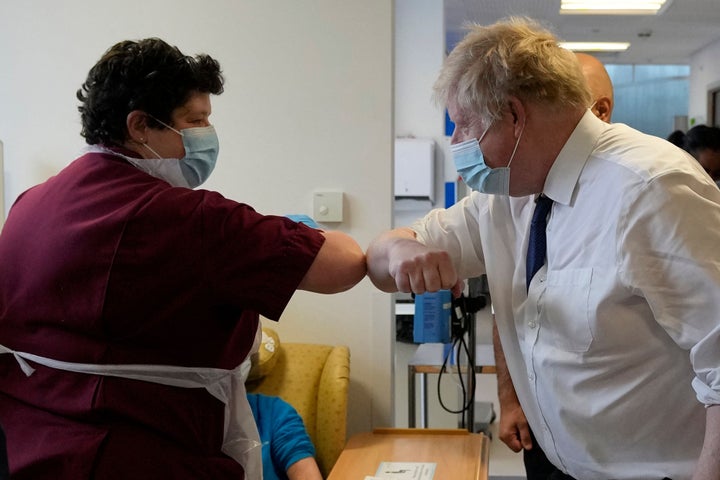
(147, 75)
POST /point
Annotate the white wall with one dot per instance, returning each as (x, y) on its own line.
(2, 188)
(419, 54)
(307, 106)
(420, 51)
(704, 73)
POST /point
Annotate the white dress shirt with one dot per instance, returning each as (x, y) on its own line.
(616, 346)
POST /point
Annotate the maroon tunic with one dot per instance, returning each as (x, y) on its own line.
(105, 264)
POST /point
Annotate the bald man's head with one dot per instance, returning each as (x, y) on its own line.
(600, 85)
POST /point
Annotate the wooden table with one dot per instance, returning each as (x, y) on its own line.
(458, 454)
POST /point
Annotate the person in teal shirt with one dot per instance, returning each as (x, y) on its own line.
(287, 451)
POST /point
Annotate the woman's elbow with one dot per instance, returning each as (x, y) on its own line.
(339, 266)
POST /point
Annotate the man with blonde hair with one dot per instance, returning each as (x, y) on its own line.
(606, 292)
(536, 463)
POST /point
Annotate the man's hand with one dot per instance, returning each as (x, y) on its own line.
(398, 262)
(513, 428)
(419, 269)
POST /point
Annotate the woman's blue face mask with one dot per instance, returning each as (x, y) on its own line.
(201, 152)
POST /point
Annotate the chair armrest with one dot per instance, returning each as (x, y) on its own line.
(331, 425)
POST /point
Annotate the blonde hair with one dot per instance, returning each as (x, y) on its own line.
(514, 57)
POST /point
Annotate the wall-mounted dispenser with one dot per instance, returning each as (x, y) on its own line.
(415, 168)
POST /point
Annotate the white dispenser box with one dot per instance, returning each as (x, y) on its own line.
(415, 168)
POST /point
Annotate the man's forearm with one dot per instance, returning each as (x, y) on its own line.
(378, 258)
(513, 429)
(708, 467)
(506, 390)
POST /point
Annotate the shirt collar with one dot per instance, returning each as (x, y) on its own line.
(565, 171)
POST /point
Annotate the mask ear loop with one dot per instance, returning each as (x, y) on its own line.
(165, 125)
(512, 156)
(153, 151)
(484, 133)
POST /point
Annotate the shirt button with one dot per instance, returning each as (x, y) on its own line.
(532, 324)
(531, 377)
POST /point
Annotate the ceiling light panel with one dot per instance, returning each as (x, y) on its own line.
(613, 7)
(595, 46)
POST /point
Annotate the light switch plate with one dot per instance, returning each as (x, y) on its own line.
(328, 206)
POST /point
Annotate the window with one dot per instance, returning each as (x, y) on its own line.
(649, 97)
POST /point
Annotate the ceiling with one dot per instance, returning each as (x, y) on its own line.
(672, 37)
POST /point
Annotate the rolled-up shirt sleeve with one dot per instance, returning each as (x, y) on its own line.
(670, 243)
(456, 231)
(704, 357)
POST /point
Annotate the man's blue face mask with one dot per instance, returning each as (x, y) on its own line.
(470, 164)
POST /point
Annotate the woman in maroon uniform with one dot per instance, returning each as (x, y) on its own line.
(128, 299)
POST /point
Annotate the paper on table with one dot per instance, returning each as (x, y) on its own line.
(405, 471)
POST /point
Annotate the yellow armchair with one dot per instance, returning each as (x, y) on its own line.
(314, 379)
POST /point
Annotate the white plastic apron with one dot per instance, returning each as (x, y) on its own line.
(241, 440)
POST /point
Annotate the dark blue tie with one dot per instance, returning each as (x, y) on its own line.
(537, 246)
